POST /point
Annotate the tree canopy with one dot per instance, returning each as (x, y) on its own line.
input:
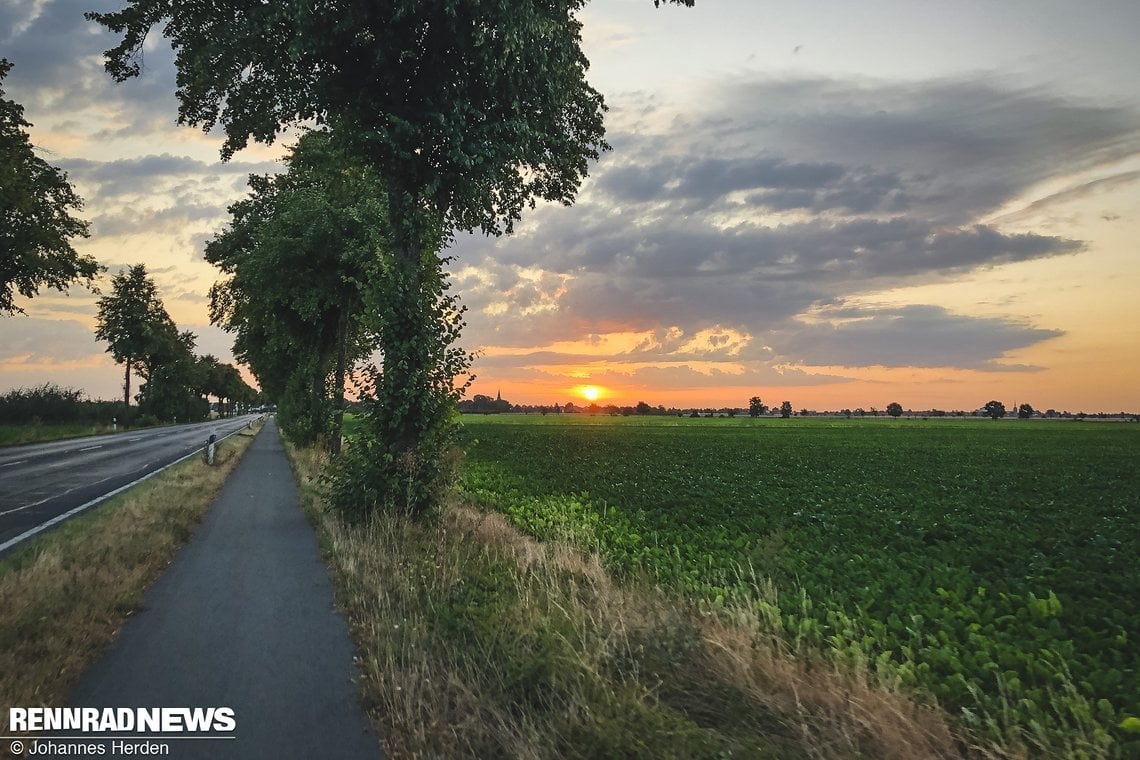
(36, 225)
(304, 255)
(129, 318)
(995, 409)
(475, 107)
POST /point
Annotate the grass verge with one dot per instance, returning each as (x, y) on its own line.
(477, 641)
(65, 594)
(16, 435)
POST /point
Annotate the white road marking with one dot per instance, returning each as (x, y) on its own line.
(57, 495)
(13, 464)
(91, 448)
(26, 506)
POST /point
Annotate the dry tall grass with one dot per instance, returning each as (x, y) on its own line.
(477, 641)
(65, 594)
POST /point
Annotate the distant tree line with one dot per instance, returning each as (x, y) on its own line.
(141, 336)
(481, 404)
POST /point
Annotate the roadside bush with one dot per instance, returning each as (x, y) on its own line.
(53, 404)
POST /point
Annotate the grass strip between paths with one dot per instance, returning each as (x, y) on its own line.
(65, 594)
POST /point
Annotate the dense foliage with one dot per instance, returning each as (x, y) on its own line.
(54, 404)
(992, 565)
(36, 225)
(470, 110)
(401, 455)
(303, 259)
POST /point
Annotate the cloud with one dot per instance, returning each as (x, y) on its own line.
(908, 336)
(770, 198)
(949, 136)
(1078, 192)
(33, 339)
(59, 69)
(753, 375)
(147, 174)
(770, 183)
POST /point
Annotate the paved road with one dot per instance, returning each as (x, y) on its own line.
(244, 618)
(42, 480)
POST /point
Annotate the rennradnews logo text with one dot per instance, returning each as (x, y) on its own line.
(166, 720)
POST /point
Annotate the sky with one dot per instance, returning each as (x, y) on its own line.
(833, 203)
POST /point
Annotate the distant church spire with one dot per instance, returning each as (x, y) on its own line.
(498, 395)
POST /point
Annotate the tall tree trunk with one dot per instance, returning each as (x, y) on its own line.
(318, 414)
(338, 380)
(127, 394)
(405, 359)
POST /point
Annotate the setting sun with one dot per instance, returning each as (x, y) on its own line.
(590, 392)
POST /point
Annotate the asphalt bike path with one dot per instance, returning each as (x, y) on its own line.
(243, 618)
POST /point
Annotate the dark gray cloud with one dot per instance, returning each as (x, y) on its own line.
(916, 336)
(771, 183)
(964, 146)
(774, 197)
(59, 69)
(696, 276)
(151, 173)
(173, 218)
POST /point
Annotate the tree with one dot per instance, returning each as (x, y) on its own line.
(472, 110)
(1025, 411)
(995, 409)
(141, 335)
(172, 378)
(786, 409)
(304, 255)
(208, 374)
(895, 409)
(481, 404)
(35, 221)
(223, 382)
(756, 407)
(129, 321)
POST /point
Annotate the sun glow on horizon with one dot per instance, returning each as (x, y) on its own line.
(589, 392)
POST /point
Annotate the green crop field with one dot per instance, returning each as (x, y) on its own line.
(991, 564)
